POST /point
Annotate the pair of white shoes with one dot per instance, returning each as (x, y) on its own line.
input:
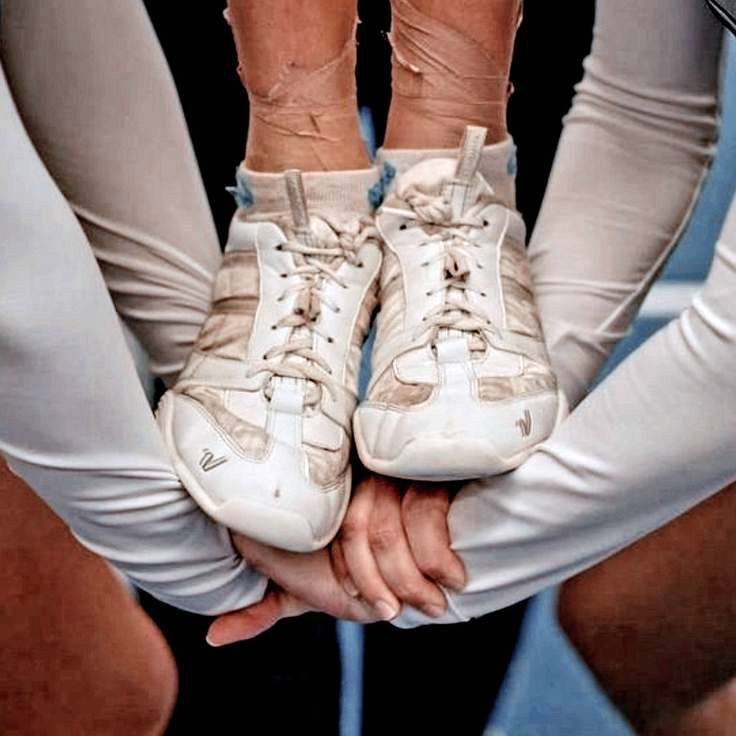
(259, 423)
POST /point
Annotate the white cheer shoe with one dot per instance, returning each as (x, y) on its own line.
(259, 422)
(462, 385)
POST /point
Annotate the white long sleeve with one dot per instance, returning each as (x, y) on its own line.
(657, 437)
(634, 152)
(99, 104)
(74, 422)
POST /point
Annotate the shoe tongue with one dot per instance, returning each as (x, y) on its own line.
(324, 235)
(428, 177)
(456, 179)
(316, 230)
(438, 177)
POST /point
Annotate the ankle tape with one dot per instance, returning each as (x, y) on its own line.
(312, 104)
(434, 62)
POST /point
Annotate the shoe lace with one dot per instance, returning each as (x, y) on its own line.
(316, 262)
(458, 255)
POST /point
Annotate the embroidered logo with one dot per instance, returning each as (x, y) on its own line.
(208, 461)
(525, 424)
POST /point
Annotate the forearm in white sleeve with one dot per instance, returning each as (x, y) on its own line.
(74, 422)
(635, 149)
(654, 439)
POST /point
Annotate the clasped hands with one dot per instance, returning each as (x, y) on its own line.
(393, 549)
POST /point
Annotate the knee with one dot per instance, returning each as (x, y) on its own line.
(147, 694)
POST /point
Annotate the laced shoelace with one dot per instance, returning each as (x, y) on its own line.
(456, 312)
(316, 263)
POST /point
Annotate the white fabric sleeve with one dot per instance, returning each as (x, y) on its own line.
(74, 422)
(97, 99)
(653, 440)
(634, 152)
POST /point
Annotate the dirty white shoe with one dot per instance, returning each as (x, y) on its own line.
(462, 385)
(259, 422)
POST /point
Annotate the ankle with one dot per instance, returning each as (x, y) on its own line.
(302, 141)
(444, 78)
(415, 123)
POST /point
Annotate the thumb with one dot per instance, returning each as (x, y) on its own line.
(254, 620)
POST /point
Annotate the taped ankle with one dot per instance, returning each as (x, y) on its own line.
(310, 107)
(440, 72)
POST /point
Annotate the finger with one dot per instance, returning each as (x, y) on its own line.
(393, 556)
(358, 556)
(259, 556)
(308, 577)
(424, 512)
(341, 569)
(254, 620)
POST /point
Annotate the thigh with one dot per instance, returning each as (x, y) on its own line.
(78, 654)
(657, 622)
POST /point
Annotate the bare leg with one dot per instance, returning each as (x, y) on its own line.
(656, 623)
(297, 62)
(451, 67)
(79, 656)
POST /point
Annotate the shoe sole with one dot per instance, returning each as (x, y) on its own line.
(277, 528)
(452, 457)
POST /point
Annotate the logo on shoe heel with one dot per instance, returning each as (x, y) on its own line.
(525, 424)
(208, 461)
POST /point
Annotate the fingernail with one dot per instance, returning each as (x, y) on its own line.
(212, 642)
(386, 611)
(433, 611)
(350, 588)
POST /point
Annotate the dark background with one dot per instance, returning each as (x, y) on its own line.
(435, 680)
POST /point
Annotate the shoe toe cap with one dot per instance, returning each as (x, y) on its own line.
(268, 498)
(447, 439)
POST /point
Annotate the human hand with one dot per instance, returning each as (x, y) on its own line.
(299, 583)
(394, 547)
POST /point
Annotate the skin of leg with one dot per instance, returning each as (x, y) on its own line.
(487, 29)
(303, 105)
(712, 717)
(656, 622)
(79, 655)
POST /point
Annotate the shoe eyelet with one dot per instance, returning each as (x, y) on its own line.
(483, 293)
(403, 226)
(279, 247)
(361, 265)
(284, 275)
(330, 340)
(274, 327)
(338, 310)
(485, 223)
(427, 293)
